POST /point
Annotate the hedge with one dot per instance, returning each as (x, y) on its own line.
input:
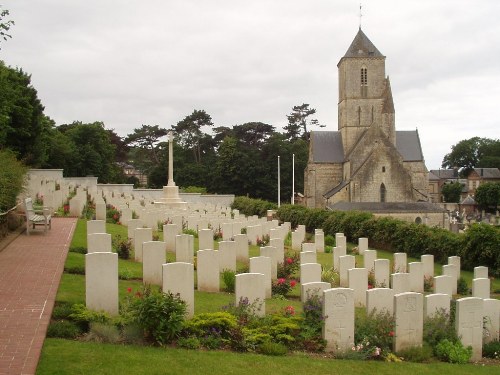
(479, 245)
(250, 207)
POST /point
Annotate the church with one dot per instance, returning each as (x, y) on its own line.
(366, 162)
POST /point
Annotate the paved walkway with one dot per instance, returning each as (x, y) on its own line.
(30, 271)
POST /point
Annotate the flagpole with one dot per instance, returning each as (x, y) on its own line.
(293, 178)
(279, 182)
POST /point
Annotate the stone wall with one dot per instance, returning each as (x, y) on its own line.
(318, 179)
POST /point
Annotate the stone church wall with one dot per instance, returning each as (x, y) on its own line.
(318, 179)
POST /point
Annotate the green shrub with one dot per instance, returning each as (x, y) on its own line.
(83, 316)
(419, 354)
(192, 232)
(249, 206)
(439, 327)
(161, 315)
(122, 246)
(329, 240)
(76, 269)
(290, 266)
(462, 287)
(309, 337)
(272, 348)
(453, 352)
(63, 329)
(377, 328)
(492, 350)
(103, 333)
(62, 310)
(282, 286)
(78, 249)
(229, 278)
(207, 323)
(480, 245)
(189, 343)
(331, 276)
(12, 175)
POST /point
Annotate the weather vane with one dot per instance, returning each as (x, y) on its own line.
(360, 14)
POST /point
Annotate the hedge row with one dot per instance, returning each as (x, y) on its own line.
(250, 207)
(478, 246)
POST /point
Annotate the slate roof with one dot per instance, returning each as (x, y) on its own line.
(327, 146)
(468, 200)
(336, 189)
(446, 174)
(408, 145)
(432, 177)
(488, 172)
(378, 207)
(361, 46)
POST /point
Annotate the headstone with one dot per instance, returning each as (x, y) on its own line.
(126, 215)
(227, 256)
(480, 272)
(153, 257)
(337, 253)
(481, 288)
(263, 265)
(310, 272)
(184, 248)
(346, 262)
(96, 226)
(469, 324)
(436, 303)
(428, 264)
(250, 289)
(296, 240)
(99, 242)
(308, 257)
(308, 246)
(338, 312)
(491, 320)
(400, 262)
(319, 241)
(100, 211)
(132, 225)
(369, 257)
(362, 245)
(443, 285)
(178, 278)
(206, 239)
(451, 270)
(400, 282)
(380, 299)
(416, 271)
(227, 231)
(270, 252)
(314, 288)
(101, 282)
(341, 241)
(241, 241)
(455, 260)
(170, 231)
(381, 269)
(207, 269)
(358, 281)
(279, 244)
(141, 235)
(409, 320)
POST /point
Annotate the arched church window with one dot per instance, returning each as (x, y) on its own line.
(382, 193)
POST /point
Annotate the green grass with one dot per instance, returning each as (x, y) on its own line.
(74, 357)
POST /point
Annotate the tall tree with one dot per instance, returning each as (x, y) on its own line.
(451, 192)
(147, 138)
(5, 25)
(190, 133)
(470, 153)
(488, 196)
(299, 120)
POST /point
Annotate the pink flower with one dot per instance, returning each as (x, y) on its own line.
(391, 333)
(281, 281)
(370, 286)
(289, 310)
(293, 283)
(289, 260)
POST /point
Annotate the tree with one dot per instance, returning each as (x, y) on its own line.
(190, 134)
(451, 192)
(5, 25)
(470, 153)
(147, 138)
(298, 121)
(488, 195)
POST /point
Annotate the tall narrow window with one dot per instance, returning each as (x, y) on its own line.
(364, 82)
(382, 192)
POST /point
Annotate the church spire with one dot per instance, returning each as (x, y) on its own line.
(361, 46)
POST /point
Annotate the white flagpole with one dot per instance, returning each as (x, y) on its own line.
(279, 182)
(293, 178)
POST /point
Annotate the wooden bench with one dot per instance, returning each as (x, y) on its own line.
(34, 218)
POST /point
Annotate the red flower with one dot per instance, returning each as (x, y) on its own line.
(289, 310)
(370, 286)
(289, 260)
(129, 290)
(391, 333)
(293, 283)
(281, 281)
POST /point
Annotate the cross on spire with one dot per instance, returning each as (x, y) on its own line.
(360, 14)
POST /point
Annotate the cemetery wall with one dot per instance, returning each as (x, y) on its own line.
(50, 174)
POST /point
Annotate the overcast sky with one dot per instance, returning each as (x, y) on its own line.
(132, 62)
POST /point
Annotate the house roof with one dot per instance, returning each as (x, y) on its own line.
(488, 172)
(432, 177)
(445, 174)
(468, 200)
(386, 207)
(327, 146)
(361, 46)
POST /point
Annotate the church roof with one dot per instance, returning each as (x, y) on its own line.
(327, 146)
(408, 145)
(361, 46)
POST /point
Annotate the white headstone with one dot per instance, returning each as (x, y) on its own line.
(369, 257)
(99, 242)
(480, 272)
(170, 231)
(428, 264)
(362, 245)
(241, 247)
(141, 235)
(416, 271)
(346, 262)
(409, 319)
(469, 324)
(96, 226)
(382, 272)
(206, 239)
(250, 288)
(400, 282)
(178, 278)
(308, 257)
(184, 248)
(319, 241)
(451, 270)
(132, 225)
(308, 290)
(263, 265)
(491, 320)
(337, 253)
(308, 246)
(400, 262)
(455, 260)
(270, 252)
(443, 285)
(358, 282)
(153, 257)
(101, 282)
(436, 303)
(227, 256)
(279, 244)
(338, 327)
(481, 288)
(207, 269)
(310, 272)
(380, 299)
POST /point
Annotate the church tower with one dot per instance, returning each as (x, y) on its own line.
(364, 92)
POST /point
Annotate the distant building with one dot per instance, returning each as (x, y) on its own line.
(480, 176)
(131, 171)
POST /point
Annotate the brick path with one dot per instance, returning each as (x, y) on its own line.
(30, 271)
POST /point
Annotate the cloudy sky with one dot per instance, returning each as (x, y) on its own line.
(133, 62)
